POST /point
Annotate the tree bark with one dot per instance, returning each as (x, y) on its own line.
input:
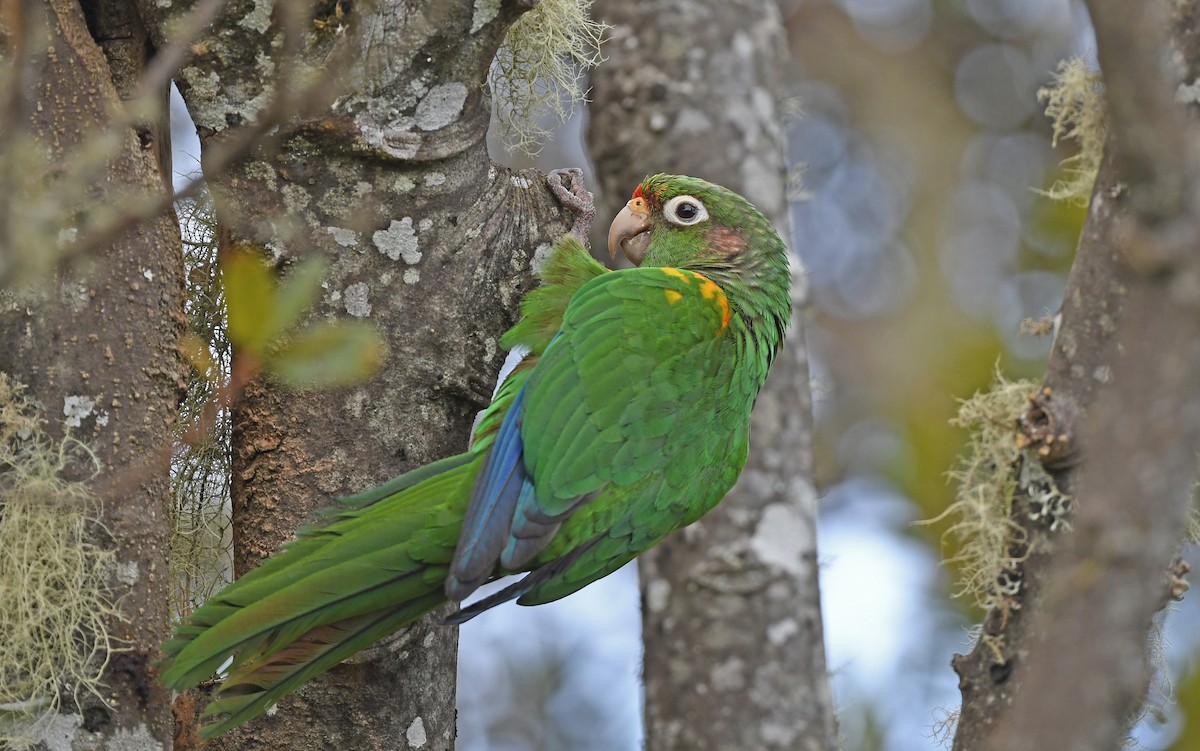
(380, 164)
(1121, 391)
(99, 343)
(731, 611)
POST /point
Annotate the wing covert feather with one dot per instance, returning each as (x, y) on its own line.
(627, 371)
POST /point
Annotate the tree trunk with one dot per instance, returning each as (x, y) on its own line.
(97, 345)
(731, 612)
(378, 160)
(1117, 424)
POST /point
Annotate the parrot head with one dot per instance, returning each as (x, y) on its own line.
(674, 220)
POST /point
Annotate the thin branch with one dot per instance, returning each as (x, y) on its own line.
(170, 58)
(289, 102)
(23, 26)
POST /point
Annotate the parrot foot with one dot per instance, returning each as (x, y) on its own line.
(567, 187)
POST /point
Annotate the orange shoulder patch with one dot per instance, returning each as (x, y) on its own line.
(681, 276)
(712, 291)
(709, 290)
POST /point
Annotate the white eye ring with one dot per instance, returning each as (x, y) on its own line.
(685, 211)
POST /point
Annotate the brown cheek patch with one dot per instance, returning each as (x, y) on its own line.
(725, 241)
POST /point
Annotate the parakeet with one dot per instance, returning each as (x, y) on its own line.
(629, 418)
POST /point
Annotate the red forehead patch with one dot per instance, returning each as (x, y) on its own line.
(655, 198)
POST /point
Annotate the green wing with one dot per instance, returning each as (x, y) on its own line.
(625, 386)
(636, 422)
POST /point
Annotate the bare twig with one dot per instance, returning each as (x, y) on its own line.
(293, 98)
(170, 58)
(21, 24)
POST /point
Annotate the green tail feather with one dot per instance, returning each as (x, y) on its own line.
(379, 564)
(242, 697)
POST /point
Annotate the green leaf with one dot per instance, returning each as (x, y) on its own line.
(332, 353)
(197, 352)
(250, 299)
(297, 293)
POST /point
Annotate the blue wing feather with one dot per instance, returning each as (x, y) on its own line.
(488, 520)
(527, 537)
(504, 522)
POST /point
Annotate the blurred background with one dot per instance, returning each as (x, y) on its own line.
(923, 148)
(919, 148)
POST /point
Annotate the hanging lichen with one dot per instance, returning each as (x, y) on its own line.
(539, 69)
(1075, 104)
(981, 526)
(55, 611)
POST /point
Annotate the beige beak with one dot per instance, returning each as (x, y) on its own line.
(629, 233)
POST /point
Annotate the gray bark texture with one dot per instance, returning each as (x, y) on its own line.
(1118, 424)
(98, 338)
(376, 158)
(734, 651)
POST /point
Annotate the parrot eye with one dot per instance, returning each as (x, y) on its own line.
(685, 211)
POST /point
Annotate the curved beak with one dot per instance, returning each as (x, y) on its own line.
(629, 233)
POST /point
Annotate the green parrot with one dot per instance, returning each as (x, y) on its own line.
(628, 418)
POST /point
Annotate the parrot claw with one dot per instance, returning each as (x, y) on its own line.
(574, 197)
